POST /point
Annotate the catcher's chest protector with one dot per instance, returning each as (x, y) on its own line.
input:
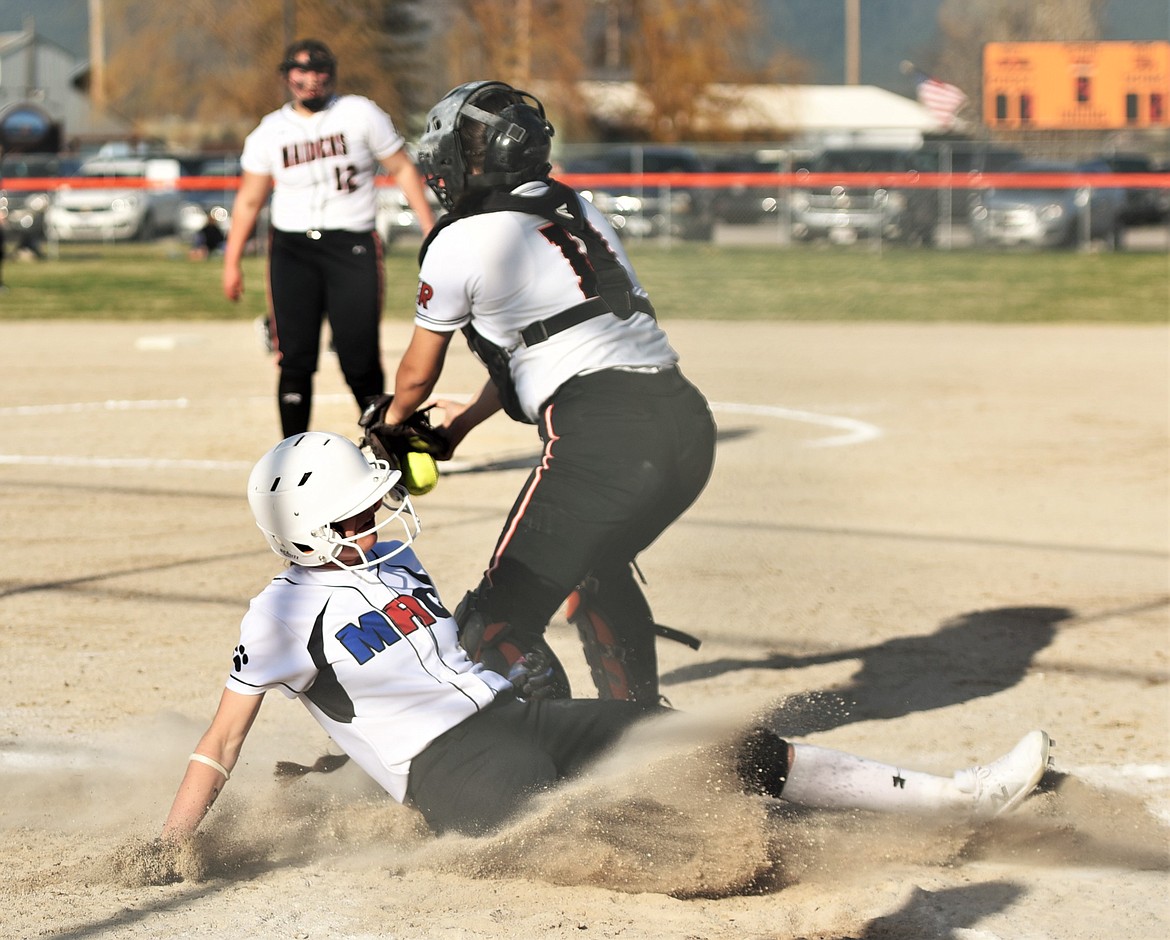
(604, 278)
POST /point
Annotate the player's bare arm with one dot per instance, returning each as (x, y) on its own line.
(211, 762)
(418, 371)
(410, 181)
(459, 418)
(250, 199)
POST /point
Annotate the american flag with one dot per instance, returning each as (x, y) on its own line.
(940, 99)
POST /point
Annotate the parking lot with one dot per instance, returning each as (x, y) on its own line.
(939, 195)
(954, 235)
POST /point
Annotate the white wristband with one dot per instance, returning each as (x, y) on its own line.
(203, 759)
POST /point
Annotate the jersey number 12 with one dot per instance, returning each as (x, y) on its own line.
(344, 178)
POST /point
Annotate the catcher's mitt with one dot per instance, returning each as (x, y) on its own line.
(392, 441)
(411, 446)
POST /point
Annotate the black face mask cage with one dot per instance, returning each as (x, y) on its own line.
(502, 124)
(520, 125)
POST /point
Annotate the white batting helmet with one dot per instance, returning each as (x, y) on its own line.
(310, 481)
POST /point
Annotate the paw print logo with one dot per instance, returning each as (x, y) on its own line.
(239, 658)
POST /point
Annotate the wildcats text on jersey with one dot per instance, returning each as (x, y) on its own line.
(306, 151)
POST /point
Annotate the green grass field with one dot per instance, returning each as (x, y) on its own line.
(688, 281)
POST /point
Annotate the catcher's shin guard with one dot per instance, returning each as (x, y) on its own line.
(500, 646)
(620, 652)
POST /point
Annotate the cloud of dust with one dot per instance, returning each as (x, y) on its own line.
(663, 814)
(1073, 822)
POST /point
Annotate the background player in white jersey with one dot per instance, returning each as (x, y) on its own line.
(356, 630)
(537, 280)
(321, 152)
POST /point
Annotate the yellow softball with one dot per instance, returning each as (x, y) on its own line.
(420, 473)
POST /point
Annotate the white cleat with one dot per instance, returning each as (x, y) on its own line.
(1002, 785)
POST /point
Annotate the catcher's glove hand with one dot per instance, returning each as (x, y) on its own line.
(410, 447)
(392, 441)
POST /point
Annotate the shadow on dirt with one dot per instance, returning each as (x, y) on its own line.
(969, 657)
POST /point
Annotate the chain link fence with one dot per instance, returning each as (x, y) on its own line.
(940, 195)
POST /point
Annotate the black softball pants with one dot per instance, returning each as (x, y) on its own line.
(338, 275)
(478, 775)
(625, 453)
(475, 776)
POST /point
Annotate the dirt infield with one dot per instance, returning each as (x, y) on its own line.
(919, 542)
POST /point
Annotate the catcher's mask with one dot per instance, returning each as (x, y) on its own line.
(319, 59)
(310, 481)
(483, 135)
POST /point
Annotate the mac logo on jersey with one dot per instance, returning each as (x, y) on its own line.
(377, 630)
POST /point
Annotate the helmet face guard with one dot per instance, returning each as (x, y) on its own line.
(320, 59)
(516, 147)
(309, 482)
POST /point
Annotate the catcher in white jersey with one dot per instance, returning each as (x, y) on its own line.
(538, 282)
(356, 630)
(321, 151)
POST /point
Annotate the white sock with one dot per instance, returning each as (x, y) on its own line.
(827, 779)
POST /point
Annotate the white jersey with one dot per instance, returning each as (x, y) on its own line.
(499, 272)
(372, 655)
(323, 165)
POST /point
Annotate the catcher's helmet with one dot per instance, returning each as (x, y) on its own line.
(309, 481)
(507, 141)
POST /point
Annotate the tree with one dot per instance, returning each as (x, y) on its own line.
(683, 46)
(534, 45)
(966, 25)
(672, 49)
(215, 61)
(212, 63)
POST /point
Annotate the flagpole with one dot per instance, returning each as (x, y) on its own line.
(946, 164)
(97, 57)
(852, 42)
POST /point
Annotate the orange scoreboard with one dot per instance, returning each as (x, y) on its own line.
(1076, 85)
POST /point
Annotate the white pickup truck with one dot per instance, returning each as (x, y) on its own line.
(96, 207)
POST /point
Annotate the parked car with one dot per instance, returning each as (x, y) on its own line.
(681, 211)
(200, 202)
(967, 162)
(209, 191)
(393, 217)
(1048, 215)
(81, 212)
(22, 211)
(844, 211)
(1143, 205)
(749, 203)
